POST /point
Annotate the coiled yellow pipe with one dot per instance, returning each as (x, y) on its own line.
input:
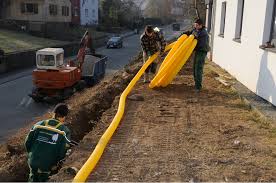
(173, 50)
(175, 62)
(175, 59)
(167, 80)
(92, 161)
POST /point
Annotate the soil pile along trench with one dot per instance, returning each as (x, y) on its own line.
(87, 108)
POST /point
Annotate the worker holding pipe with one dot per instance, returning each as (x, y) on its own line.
(152, 41)
(47, 144)
(201, 50)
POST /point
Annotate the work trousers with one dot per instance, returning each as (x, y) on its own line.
(198, 66)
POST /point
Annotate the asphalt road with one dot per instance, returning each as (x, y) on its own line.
(17, 109)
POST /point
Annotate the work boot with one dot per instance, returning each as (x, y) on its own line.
(198, 91)
(146, 78)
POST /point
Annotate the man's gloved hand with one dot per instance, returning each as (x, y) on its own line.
(187, 33)
(195, 34)
(148, 53)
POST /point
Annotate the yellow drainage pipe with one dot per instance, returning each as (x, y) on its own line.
(168, 67)
(171, 63)
(173, 50)
(174, 64)
(92, 161)
(169, 79)
(177, 63)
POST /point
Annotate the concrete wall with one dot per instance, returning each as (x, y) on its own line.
(92, 15)
(252, 66)
(13, 11)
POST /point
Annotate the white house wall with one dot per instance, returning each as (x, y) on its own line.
(252, 66)
(90, 5)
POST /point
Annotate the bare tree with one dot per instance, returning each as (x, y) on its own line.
(113, 13)
(158, 9)
(200, 9)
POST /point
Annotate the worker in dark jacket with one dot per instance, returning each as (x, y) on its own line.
(47, 144)
(201, 50)
(152, 41)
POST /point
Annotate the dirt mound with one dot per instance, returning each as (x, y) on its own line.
(86, 109)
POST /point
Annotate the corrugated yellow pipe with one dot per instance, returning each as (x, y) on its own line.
(174, 63)
(170, 78)
(168, 67)
(171, 63)
(90, 164)
(173, 50)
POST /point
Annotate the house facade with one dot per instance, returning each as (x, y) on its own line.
(36, 10)
(242, 32)
(75, 12)
(89, 12)
(46, 18)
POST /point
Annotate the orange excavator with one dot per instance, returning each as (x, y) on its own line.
(54, 80)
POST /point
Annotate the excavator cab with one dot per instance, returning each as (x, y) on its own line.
(52, 78)
(50, 58)
(55, 81)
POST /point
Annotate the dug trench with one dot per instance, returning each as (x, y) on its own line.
(86, 108)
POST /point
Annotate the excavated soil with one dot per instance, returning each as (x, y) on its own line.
(86, 107)
(176, 134)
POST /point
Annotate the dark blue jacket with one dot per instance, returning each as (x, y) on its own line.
(202, 38)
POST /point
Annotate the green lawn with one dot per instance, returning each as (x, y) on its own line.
(11, 41)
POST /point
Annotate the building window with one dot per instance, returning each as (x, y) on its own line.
(273, 26)
(76, 12)
(53, 9)
(222, 21)
(209, 17)
(65, 11)
(86, 12)
(31, 8)
(239, 19)
(93, 13)
(269, 34)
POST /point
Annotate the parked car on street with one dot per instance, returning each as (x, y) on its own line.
(115, 42)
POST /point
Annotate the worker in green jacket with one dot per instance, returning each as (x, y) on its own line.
(201, 51)
(47, 144)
